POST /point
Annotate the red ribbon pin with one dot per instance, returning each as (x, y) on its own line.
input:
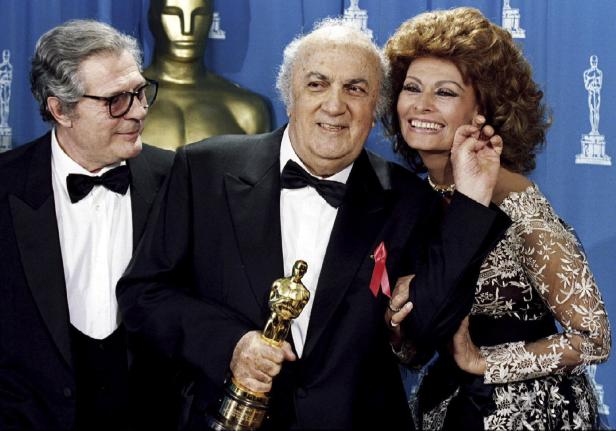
(379, 274)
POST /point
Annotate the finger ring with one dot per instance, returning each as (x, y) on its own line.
(392, 324)
(391, 307)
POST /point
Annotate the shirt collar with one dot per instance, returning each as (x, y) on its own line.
(288, 153)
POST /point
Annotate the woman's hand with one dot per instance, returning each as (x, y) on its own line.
(465, 353)
(475, 158)
(399, 307)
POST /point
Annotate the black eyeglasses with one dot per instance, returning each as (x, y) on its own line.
(121, 103)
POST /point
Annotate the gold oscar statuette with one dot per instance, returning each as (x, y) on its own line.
(240, 408)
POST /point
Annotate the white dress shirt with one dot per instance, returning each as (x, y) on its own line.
(96, 239)
(306, 221)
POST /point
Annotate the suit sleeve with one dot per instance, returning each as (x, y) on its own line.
(442, 291)
(19, 409)
(157, 295)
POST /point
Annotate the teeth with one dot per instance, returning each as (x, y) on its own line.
(331, 127)
(426, 125)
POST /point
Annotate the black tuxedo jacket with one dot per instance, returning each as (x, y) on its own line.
(201, 278)
(37, 385)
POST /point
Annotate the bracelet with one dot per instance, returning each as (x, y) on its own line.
(406, 352)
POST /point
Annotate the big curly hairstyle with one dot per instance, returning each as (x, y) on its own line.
(487, 59)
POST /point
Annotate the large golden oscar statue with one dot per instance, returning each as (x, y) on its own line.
(240, 408)
(193, 103)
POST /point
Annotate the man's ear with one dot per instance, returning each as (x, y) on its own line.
(54, 106)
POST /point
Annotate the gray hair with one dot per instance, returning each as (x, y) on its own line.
(60, 52)
(326, 29)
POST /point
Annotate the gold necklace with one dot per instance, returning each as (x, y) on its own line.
(445, 191)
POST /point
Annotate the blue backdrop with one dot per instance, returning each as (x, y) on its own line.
(558, 37)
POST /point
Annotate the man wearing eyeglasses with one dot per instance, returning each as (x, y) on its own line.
(73, 204)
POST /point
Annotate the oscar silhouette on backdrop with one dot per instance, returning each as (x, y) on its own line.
(193, 103)
(593, 80)
(6, 76)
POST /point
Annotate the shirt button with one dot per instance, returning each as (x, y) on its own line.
(67, 392)
(301, 392)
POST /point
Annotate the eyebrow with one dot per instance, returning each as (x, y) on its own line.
(353, 81)
(358, 81)
(118, 92)
(444, 81)
(317, 75)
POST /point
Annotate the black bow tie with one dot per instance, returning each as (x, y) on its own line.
(295, 177)
(117, 180)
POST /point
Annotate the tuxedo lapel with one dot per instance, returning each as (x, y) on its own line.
(359, 220)
(143, 189)
(38, 241)
(254, 203)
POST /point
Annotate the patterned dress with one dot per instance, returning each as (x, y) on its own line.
(535, 376)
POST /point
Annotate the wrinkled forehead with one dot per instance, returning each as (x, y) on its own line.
(109, 72)
(341, 55)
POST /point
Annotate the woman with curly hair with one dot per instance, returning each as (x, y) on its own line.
(509, 366)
